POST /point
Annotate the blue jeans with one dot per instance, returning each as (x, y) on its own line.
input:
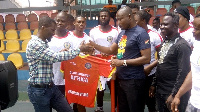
(45, 98)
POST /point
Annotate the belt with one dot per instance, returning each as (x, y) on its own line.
(50, 85)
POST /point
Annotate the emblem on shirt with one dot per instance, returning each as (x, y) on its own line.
(67, 45)
(109, 38)
(122, 45)
(88, 65)
(147, 42)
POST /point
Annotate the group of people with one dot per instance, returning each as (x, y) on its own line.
(162, 84)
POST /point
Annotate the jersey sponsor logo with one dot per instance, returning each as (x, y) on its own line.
(88, 65)
(109, 38)
(67, 45)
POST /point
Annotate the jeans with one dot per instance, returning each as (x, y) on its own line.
(131, 95)
(162, 107)
(45, 98)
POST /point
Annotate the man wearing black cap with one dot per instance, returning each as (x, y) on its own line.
(176, 4)
(185, 29)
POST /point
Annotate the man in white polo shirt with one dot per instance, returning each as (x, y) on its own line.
(193, 77)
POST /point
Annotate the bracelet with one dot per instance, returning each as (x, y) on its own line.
(124, 64)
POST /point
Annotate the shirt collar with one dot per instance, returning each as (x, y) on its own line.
(173, 38)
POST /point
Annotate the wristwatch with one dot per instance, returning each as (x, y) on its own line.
(124, 64)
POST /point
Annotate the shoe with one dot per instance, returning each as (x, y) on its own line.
(98, 110)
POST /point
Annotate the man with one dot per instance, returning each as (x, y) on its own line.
(134, 8)
(133, 51)
(142, 19)
(156, 25)
(185, 29)
(113, 9)
(105, 35)
(75, 38)
(192, 79)
(173, 65)
(42, 93)
(176, 4)
(63, 21)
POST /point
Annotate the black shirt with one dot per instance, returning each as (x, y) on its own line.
(173, 65)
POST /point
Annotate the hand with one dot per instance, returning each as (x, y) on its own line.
(87, 49)
(65, 49)
(91, 43)
(169, 101)
(104, 55)
(116, 62)
(152, 91)
(174, 104)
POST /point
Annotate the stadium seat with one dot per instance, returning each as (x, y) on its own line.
(33, 25)
(24, 45)
(198, 10)
(161, 12)
(150, 11)
(11, 35)
(20, 18)
(32, 17)
(35, 32)
(43, 15)
(53, 15)
(25, 34)
(12, 46)
(22, 25)
(191, 10)
(10, 26)
(16, 58)
(2, 46)
(1, 26)
(1, 19)
(2, 58)
(1, 35)
(9, 18)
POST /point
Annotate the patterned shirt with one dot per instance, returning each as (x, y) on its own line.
(40, 60)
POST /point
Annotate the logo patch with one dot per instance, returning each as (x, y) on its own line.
(88, 65)
(109, 38)
(147, 42)
(67, 45)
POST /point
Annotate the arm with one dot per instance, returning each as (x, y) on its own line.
(186, 86)
(144, 59)
(148, 68)
(107, 50)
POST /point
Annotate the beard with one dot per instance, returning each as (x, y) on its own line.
(104, 23)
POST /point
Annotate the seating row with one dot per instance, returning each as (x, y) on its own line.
(16, 58)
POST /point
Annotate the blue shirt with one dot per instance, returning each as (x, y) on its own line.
(130, 42)
(40, 60)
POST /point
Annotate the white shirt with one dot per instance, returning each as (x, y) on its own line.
(57, 44)
(158, 31)
(195, 68)
(191, 18)
(188, 35)
(155, 40)
(104, 39)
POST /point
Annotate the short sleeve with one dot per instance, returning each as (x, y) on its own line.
(143, 40)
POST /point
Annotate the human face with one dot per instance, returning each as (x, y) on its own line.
(104, 18)
(156, 24)
(80, 24)
(61, 21)
(167, 27)
(134, 10)
(123, 20)
(182, 21)
(138, 20)
(49, 31)
(196, 31)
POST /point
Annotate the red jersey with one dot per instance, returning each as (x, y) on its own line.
(81, 78)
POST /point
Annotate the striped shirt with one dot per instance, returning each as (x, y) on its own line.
(40, 60)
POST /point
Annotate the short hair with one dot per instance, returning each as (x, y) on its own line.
(197, 16)
(176, 1)
(175, 17)
(105, 10)
(144, 15)
(157, 19)
(69, 17)
(46, 22)
(133, 6)
(79, 16)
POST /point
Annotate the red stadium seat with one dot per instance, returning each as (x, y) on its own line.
(22, 25)
(191, 10)
(33, 25)
(32, 17)
(1, 19)
(43, 15)
(161, 12)
(20, 18)
(10, 26)
(10, 18)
